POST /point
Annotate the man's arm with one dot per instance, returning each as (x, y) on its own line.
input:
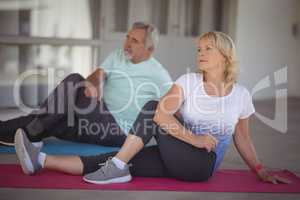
(95, 82)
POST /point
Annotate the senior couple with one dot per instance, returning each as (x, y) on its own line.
(130, 99)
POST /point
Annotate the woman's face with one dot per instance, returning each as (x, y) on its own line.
(209, 58)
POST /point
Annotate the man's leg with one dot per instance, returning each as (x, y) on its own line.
(67, 164)
(8, 128)
(32, 160)
(52, 111)
(147, 162)
(56, 107)
(140, 134)
(98, 126)
(91, 122)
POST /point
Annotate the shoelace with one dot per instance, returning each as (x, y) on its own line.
(105, 166)
(106, 163)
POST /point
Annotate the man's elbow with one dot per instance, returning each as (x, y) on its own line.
(99, 72)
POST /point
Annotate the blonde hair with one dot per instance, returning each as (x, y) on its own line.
(227, 48)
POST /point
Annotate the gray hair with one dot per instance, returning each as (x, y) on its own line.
(152, 34)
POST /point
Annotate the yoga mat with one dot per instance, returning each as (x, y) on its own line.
(11, 176)
(55, 147)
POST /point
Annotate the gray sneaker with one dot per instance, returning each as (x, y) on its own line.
(109, 173)
(27, 153)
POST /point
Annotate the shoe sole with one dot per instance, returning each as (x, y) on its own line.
(22, 153)
(7, 143)
(122, 179)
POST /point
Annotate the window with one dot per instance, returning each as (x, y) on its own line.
(16, 59)
(159, 14)
(47, 33)
(121, 15)
(59, 35)
(192, 17)
(45, 18)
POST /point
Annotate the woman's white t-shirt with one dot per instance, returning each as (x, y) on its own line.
(218, 116)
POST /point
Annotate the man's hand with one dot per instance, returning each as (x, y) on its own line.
(91, 91)
(94, 83)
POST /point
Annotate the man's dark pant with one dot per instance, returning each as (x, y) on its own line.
(68, 114)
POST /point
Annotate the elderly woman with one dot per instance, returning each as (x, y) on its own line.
(193, 125)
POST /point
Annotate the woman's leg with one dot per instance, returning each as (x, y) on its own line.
(184, 161)
(116, 170)
(146, 163)
(140, 134)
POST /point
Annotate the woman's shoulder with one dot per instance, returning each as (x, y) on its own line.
(191, 76)
(241, 89)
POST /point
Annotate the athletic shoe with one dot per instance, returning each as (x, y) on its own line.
(109, 173)
(6, 139)
(27, 153)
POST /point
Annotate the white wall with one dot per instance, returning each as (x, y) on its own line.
(265, 43)
(176, 54)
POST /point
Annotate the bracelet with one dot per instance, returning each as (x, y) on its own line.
(257, 168)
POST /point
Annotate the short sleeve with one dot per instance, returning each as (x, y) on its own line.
(186, 82)
(247, 106)
(164, 82)
(108, 63)
(161, 80)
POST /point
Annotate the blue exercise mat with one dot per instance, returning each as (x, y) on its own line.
(62, 147)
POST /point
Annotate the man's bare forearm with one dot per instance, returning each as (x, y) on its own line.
(96, 79)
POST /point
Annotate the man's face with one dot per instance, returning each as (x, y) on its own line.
(134, 46)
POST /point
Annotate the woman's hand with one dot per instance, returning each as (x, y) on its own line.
(207, 141)
(275, 179)
(245, 147)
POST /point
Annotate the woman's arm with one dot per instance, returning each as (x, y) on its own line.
(245, 147)
(164, 117)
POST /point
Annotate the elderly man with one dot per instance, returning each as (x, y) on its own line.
(100, 109)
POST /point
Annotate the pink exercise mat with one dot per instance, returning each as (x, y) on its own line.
(11, 176)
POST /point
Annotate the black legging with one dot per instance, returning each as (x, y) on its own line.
(170, 158)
